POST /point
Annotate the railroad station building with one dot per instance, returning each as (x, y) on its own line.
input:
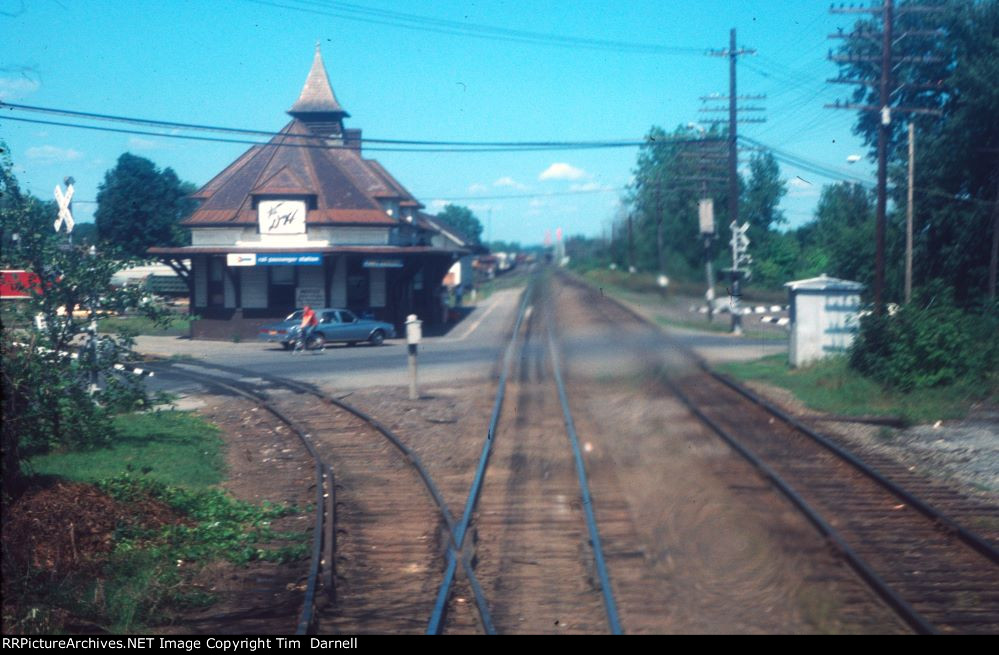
(305, 219)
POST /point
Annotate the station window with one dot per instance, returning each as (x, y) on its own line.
(283, 275)
(282, 287)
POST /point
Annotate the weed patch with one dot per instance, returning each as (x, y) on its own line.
(114, 539)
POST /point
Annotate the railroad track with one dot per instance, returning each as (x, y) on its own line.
(906, 536)
(381, 526)
(529, 510)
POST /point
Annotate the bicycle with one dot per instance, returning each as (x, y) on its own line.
(316, 342)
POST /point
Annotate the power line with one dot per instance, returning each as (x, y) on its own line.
(526, 148)
(817, 168)
(518, 196)
(424, 24)
(236, 130)
(510, 196)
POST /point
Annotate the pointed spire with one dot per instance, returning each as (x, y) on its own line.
(317, 95)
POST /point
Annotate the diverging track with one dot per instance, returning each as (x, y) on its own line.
(382, 528)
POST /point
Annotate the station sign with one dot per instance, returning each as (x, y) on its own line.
(281, 216)
(274, 259)
(382, 263)
(241, 259)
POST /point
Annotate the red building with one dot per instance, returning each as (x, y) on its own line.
(307, 220)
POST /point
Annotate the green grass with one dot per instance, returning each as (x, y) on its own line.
(830, 386)
(136, 325)
(172, 458)
(175, 448)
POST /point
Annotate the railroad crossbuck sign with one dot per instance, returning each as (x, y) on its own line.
(740, 245)
(65, 215)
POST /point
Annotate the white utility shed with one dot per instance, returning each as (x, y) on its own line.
(825, 316)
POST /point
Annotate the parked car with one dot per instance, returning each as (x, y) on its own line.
(335, 326)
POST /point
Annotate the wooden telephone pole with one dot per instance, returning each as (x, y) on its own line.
(735, 275)
(884, 107)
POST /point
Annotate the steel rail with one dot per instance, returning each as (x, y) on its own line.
(411, 456)
(971, 538)
(436, 622)
(905, 611)
(610, 606)
(308, 608)
(882, 588)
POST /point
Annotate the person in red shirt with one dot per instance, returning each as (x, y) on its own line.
(309, 322)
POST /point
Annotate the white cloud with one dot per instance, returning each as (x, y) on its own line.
(478, 188)
(52, 154)
(562, 171)
(15, 88)
(439, 204)
(508, 181)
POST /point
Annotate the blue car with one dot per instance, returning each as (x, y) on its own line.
(335, 326)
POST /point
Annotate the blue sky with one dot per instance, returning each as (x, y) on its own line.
(242, 63)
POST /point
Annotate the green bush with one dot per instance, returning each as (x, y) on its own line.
(929, 343)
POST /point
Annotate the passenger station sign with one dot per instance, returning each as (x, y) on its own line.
(274, 259)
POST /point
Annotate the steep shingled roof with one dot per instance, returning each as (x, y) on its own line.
(297, 163)
(302, 161)
(317, 95)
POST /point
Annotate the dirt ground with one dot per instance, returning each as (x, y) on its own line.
(265, 462)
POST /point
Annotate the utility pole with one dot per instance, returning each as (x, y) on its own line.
(734, 274)
(884, 108)
(994, 256)
(883, 100)
(631, 246)
(708, 155)
(908, 213)
(733, 120)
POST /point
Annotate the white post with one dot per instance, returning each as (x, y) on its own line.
(414, 333)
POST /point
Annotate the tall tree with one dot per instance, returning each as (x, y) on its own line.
(463, 221)
(762, 195)
(947, 61)
(774, 254)
(672, 173)
(139, 205)
(843, 231)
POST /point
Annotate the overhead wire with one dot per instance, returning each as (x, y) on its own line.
(243, 131)
(322, 146)
(424, 24)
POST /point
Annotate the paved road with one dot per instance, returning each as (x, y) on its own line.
(468, 351)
